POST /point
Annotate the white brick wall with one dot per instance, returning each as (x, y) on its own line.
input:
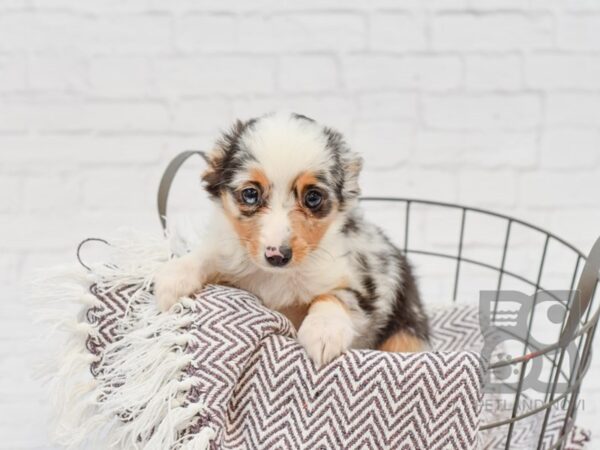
(494, 103)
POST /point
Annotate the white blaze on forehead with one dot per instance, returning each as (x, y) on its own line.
(285, 146)
(275, 227)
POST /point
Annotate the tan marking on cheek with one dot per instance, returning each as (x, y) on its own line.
(307, 232)
(247, 228)
(402, 342)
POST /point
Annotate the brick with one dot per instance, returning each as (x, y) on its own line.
(52, 233)
(485, 188)
(575, 109)
(11, 189)
(302, 32)
(18, 422)
(580, 5)
(329, 5)
(485, 72)
(337, 111)
(41, 116)
(57, 234)
(410, 182)
(333, 31)
(16, 316)
(460, 112)
(565, 190)
(110, 6)
(556, 71)
(37, 154)
(203, 32)
(570, 148)
(44, 31)
(131, 33)
(128, 116)
(13, 4)
(216, 75)
(579, 32)
(215, 6)
(118, 189)
(481, 149)
(308, 74)
(36, 261)
(202, 116)
(51, 193)
(247, 108)
(499, 31)
(116, 76)
(389, 105)
(495, 6)
(375, 72)
(568, 224)
(383, 144)
(175, 143)
(13, 73)
(401, 5)
(58, 72)
(503, 149)
(440, 5)
(258, 33)
(397, 32)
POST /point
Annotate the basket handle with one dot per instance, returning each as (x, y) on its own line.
(584, 294)
(167, 180)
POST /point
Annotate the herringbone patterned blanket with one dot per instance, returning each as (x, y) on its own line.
(222, 371)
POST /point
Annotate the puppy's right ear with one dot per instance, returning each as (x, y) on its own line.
(214, 178)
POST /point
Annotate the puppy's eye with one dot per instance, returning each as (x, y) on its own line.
(313, 199)
(250, 196)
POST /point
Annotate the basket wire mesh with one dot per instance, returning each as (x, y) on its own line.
(560, 369)
(580, 276)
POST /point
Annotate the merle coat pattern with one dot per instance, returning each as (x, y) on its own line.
(287, 227)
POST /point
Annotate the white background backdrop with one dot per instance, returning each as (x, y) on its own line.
(491, 103)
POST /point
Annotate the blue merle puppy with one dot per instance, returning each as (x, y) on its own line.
(288, 227)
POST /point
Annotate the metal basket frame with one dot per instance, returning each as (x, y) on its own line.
(580, 325)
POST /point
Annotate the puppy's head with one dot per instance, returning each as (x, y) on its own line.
(282, 181)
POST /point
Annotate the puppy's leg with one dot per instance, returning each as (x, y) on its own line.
(178, 278)
(403, 341)
(328, 329)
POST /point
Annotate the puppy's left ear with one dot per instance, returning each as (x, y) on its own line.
(353, 164)
(214, 176)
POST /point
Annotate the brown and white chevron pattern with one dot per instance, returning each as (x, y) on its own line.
(365, 399)
(264, 392)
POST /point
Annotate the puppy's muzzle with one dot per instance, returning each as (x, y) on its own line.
(278, 256)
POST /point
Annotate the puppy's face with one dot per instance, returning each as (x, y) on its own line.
(282, 181)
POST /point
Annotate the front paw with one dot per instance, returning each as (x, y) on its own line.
(326, 332)
(174, 281)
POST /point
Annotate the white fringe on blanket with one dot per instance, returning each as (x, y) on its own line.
(138, 398)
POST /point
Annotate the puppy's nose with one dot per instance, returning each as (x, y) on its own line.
(278, 256)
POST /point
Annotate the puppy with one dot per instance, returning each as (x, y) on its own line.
(288, 228)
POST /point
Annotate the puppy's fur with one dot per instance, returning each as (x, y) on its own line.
(288, 228)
